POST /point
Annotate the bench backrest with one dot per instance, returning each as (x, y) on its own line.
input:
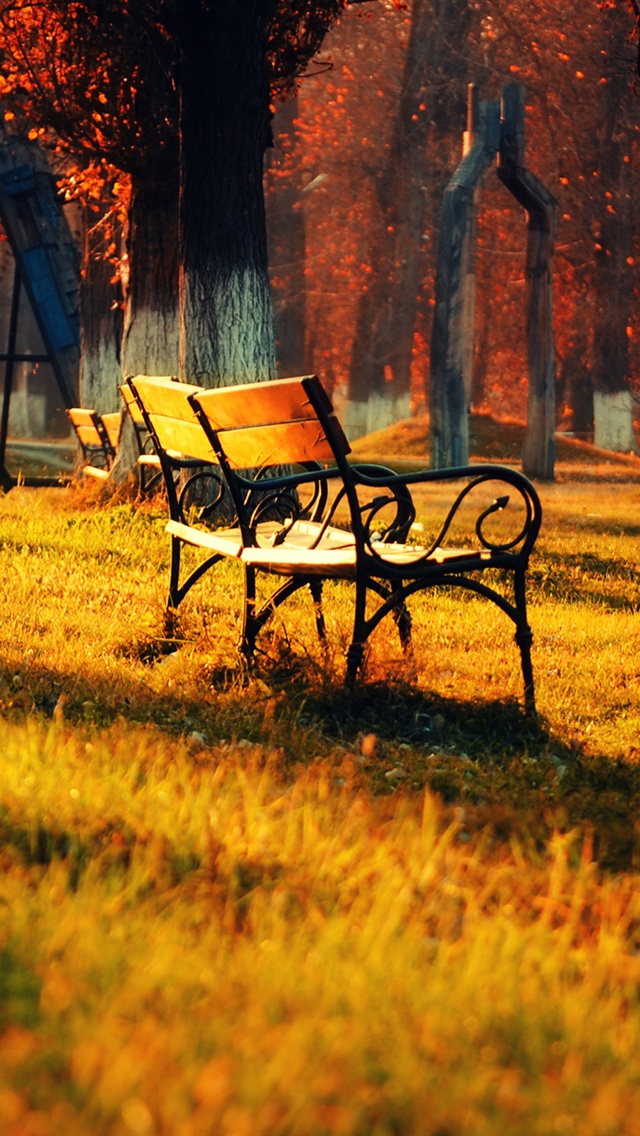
(271, 423)
(91, 431)
(111, 423)
(129, 400)
(172, 420)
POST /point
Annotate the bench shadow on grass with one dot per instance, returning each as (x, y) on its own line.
(500, 768)
(504, 768)
(574, 576)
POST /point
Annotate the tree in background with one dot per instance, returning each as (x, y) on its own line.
(585, 130)
(107, 77)
(286, 231)
(346, 145)
(432, 90)
(121, 82)
(613, 231)
(99, 80)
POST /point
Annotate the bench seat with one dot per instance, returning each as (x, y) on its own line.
(230, 542)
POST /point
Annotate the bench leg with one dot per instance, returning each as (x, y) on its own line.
(524, 638)
(170, 622)
(402, 620)
(250, 625)
(362, 627)
(315, 587)
(400, 612)
(355, 659)
(355, 654)
(174, 574)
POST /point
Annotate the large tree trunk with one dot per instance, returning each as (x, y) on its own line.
(152, 322)
(287, 241)
(152, 314)
(538, 454)
(614, 247)
(576, 386)
(227, 333)
(380, 372)
(613, 292)
(101, 325)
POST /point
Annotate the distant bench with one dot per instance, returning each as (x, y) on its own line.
(98, 436)
(324, 518)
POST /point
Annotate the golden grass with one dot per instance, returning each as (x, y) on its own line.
(263, 904)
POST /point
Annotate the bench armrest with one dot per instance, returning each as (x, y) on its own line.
(511, 489)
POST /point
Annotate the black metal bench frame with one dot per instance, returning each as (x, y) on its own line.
(290, 525)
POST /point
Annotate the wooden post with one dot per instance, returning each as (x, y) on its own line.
(452, 335)
(540, 206)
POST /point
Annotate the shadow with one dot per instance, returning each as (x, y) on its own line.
(397, 711)
(604, 527)
(499, 769)
(574, 577)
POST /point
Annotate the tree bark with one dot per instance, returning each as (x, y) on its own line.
(286, 232)
(613, 283)
(380, 371)
(575, 386)
(101, 325)
(227, 333)
(151, 323)
(538, 456)
(152, 314)
(380, 368)
(452, 334)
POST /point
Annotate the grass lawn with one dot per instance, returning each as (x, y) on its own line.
(263, 905)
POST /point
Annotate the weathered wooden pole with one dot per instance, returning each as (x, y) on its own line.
(452, 335)
(538, 456)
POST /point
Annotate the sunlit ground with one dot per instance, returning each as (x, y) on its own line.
(263, 904)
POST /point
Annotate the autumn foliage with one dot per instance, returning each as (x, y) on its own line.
(578, 71)
(360, 160)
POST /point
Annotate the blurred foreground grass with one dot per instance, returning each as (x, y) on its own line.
(267, 905)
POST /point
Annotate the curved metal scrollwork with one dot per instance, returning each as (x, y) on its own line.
(213, 499)
(285, 505)
(399, 528)
(398, 496)
(498, 505)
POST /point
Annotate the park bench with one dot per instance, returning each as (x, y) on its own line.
(324, 518)
(98, 436)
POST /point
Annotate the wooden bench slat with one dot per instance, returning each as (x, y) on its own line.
(131, 404)
(82, 417)
(286, 442)
(329, 561)
(228, 542)
(112, 423)
(96, 471)
(89, 436)
(96, 443)
(164, 396)
(182, 437)
(283, 400)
